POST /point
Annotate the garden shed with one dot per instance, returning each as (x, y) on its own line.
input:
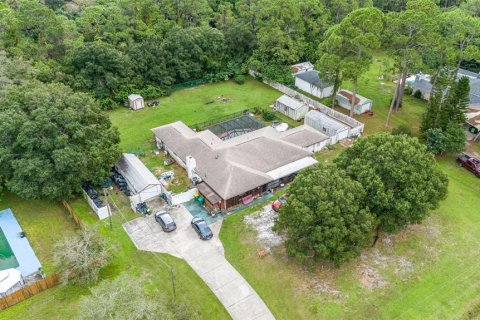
(311, 83)
(290, 107)
(333, 128)
(143, 184)
(344, 99)
(135, 101)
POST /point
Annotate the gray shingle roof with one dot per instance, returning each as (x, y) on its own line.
(234, 166)
(313, 78)
(304, 136)
(423, 85)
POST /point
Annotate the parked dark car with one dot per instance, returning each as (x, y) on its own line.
(470, 163)
(202, 229)
(153, 104)
(165, 221)
(143, 208)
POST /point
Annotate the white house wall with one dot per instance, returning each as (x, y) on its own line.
(313, 90)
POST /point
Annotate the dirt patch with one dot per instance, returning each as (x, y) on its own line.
(325, 288)
(262, 222)
(370, 277)
(223, 99)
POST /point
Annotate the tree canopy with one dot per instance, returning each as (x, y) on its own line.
(401, 179)
(324, 217)
(52, 140)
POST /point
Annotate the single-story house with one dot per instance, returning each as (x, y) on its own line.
(141, 182)
(344, 99)
(290, 107)
(310, 82)
(301, 67)
(331, 127)
(136, 102)
(422, 83)
(232, 172)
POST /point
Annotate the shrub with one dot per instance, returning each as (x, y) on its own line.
(408, 90)
(268, 115)
(455, 138)
(418, 94)
(402, 129)
(239, 78)
(435, 141)
(81, 257)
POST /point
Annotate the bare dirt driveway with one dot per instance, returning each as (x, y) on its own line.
(205, 257)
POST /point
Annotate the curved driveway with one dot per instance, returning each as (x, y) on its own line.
(205, 257)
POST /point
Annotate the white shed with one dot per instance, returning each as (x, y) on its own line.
(344, 100)
(290, 107)
(136, 102)
(335, 129)
(140, 180)
(310, 82)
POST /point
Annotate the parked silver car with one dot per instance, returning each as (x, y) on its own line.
(165, 221)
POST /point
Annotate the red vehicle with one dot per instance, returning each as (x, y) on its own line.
(277, 204)
(471, 163)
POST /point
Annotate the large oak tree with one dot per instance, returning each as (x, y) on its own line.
(53, 139)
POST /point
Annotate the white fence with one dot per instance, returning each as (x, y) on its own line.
(172, 199)
(186, 196)
(102, 212)
(356, 127)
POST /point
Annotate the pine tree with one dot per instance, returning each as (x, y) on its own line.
(456, 104)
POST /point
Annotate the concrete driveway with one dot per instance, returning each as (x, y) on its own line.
(205, 257)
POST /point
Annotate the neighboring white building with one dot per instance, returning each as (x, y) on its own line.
(344, 100)
(136, 102)
(143, 184)
(310, 82)
(302, 67)
(335, 129)
(290, 107)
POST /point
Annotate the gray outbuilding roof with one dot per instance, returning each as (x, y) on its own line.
(290, 102)
(313, 78)
(328, 122)
(136, 173)
(304, 136)
(422, 85)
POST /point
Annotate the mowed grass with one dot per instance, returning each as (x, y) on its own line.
(190, 106)
(445, 280)
(61, 302)
(46, 222)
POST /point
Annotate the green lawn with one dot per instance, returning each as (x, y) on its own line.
(45, 222)
(444, 281)
(61, 302)
(191, 107)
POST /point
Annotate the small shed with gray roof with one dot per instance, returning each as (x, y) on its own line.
(290, 107)
(311, 82)
(333, 128)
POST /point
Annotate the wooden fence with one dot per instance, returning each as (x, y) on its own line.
(72, 214)
(29, 291)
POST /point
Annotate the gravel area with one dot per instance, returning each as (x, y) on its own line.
(262, 222)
